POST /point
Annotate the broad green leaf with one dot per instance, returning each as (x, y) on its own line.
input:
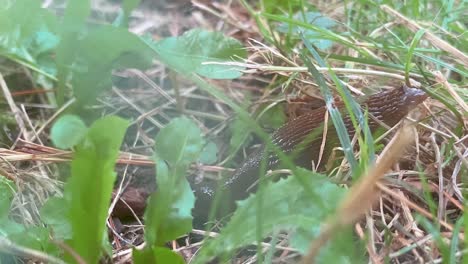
(312, 18)
(90, 185)
(209, 153)
(168, 214)
(156, 255)
(28, 34)
(337, 250)
(68, 131)
(102, 50)
(71, 28)
(7, 189)
(180, 142)
(36, 237)
(195, 48)
(55, 213)
(285, 206)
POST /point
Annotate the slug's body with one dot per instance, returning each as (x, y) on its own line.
(387, 107)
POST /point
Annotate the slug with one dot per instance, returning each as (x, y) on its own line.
(387, 107)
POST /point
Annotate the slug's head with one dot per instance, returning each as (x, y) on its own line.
(391, 106)
(412, 97)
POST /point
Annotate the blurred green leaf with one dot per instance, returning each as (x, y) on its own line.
(315, 37)
(55, 213)
(280, 6)
(156, 255)
(127, 7)
(180, 142)
(101, 51)
(168, 214)
(345, 248)
(28, 34)
(68, 131)
(71, 29)
(209, 154)
(7, 190)
(240, 132)
(272, 116)
(285, 206)
(37, 238)
(188, 52)
(90, 185)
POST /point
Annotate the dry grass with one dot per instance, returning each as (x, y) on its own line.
(156, 96)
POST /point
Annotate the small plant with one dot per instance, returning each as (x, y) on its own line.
(75, 61)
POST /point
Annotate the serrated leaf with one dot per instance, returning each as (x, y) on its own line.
(190, 52)
(68, 131)
(285, 206)
(180, 142)
(337, 250)
(168, 214)
(209, 153)
(90, 185)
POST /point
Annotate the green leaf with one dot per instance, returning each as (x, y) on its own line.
(337, 250)
(189, 52)
(156, 255)
(279, 6)
(28, 32)
(90, 185)
(7, 189)
(102, 50)
(35, 238)
(127, 7)
(209, 153)
(272, 116)
(240, 132)
(71, 29)
(315, 37)
(285, 206)
(168, 214)
(55, 213)
(180, 142)
(68, 131)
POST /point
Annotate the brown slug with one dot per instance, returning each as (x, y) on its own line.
(387, 107)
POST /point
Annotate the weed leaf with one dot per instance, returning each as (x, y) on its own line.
(209, 154)
(180, 142)
(68, 131)
(7, 189)
(90, 185)
(315, 37)
(157, 255)
(189, 53)
(285, 206)
(101, 51)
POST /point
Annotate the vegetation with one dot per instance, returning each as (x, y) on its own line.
(103, 101)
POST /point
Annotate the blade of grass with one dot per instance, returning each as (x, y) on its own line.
(334, 112)
(412, 47)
